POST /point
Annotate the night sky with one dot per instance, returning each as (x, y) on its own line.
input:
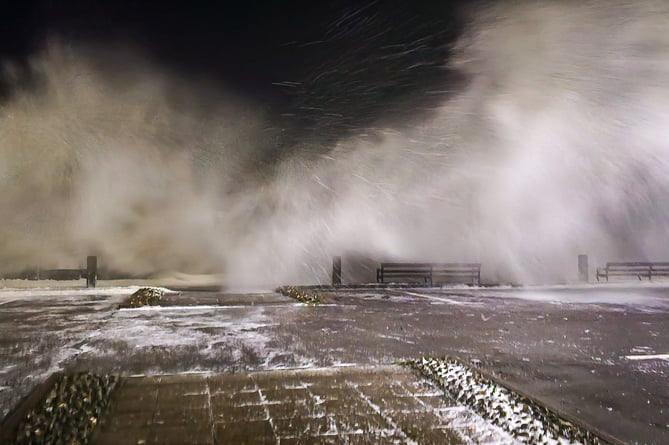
(318, 69)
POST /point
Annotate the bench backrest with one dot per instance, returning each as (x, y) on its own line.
(628, 266)
(659, 265)
(660, 269)
(638, 265)
(446, 272)
(641, 269)
(431, 266)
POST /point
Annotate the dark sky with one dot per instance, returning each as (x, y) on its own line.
(320, 67)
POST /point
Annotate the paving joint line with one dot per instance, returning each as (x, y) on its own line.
(386, 418)
(457, 429)
(263, 401)
(316, 398)
(155, 408)
(211, 414)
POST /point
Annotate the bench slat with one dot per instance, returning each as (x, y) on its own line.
(386, 265)
(428, 271)
(628, 264)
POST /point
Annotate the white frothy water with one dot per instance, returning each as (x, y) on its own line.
(555, 147)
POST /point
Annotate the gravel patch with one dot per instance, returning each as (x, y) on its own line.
(523, 418)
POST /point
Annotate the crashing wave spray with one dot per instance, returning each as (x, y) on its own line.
(137, 168)
(553, 148)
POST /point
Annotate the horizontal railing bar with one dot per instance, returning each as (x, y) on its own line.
(385, 265)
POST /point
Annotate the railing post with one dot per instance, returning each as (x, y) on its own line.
(583, 268)
(91, 271)
(336, 271)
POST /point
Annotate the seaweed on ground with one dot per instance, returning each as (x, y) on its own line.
(523, 418)
(301, 295)
(70, 411)
(146, 296)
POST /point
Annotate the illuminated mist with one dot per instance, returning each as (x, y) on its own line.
(556, 145)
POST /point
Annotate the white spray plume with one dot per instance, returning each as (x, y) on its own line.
(556, 146)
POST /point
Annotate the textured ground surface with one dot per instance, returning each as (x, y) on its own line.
(346, 405)
(594, 352)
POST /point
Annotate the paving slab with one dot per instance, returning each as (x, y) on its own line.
(382, 404)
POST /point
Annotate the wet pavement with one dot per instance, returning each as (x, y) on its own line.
(350, 405)
(585, 351)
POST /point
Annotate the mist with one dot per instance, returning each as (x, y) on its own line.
(553, 146)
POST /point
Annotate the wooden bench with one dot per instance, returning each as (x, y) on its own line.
(428, 273)
(633, 269)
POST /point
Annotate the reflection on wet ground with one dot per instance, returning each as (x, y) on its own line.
(595, 352)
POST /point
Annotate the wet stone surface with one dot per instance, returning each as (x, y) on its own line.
(384, 404)
(567, 347)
